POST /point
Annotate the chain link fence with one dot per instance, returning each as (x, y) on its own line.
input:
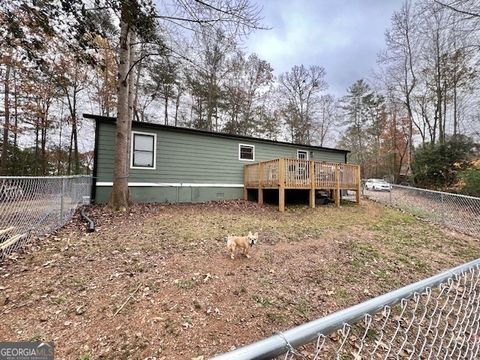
(458, 212)
(436, 318)
(34, 206)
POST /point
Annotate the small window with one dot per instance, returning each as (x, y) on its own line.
(143, 150)
(246, 152)
(302, 154)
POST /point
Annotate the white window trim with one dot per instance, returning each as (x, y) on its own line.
(154, 151)
(304, 151)
(239, 152)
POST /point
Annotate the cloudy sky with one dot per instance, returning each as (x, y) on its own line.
(343, 36)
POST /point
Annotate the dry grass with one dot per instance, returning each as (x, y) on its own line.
(158, 282)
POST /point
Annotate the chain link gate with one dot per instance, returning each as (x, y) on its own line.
(436, 318)
(458, 212)
(35, 206)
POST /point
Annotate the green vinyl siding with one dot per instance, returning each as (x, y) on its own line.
(196, 158)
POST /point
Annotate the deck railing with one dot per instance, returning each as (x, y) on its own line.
(269, 173)
(286, 173)
(299, 174)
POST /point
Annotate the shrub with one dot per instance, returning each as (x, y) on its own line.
(437, 165)
(471, 182)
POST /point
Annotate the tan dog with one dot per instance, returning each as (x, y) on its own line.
(241, 242)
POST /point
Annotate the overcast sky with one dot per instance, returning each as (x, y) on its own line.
(343, 36)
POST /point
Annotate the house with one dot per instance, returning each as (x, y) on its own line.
(174, 164)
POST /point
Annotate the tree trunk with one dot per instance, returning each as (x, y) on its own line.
(37, 129)
(15, 128)
(70, 148)
(444, 118)
(216, 118)
(104, 99)
(409, 67)
(455, 110)
(177, 105)
(72, 107)
(137, 82)
(75, 146)
(120, 199)
(394, 146)
(166, 110)
(131, 93)
(44, 146)
(59, 151)
(6, 126)
(439, 93)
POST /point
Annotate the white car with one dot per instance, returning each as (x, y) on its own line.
(377, 184)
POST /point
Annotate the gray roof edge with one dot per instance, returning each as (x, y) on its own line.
(213, 133)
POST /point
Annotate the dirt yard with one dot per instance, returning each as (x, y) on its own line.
(157, 282)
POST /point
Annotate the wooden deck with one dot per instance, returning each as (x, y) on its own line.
(299, 174)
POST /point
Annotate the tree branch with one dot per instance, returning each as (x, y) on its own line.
(464, 12)
(199, 21)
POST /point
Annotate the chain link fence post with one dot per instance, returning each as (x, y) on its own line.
(62, 201)
(442, 207)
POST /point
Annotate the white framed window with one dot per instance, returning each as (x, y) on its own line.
(246, 152)
(143, 154)
(302, 154)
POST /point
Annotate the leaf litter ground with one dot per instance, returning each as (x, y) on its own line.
(157, 282)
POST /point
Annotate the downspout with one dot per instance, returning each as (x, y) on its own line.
(90, 223)
(95, 163)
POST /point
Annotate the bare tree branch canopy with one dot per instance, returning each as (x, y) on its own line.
(302, 87)
(183, 63)
(459, 6)
(236, 16)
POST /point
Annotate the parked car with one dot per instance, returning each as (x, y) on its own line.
(377, 184)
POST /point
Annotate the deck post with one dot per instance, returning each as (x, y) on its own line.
(359, 184)
(260, 183)
(281, 185)
(245, 192)
(312, 184)
(337, 188)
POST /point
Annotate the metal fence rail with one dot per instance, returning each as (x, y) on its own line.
(436, 318)
(34, 206)
(458, 212)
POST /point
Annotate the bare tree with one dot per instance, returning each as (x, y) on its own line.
(6, 124)
(431, 63)
(468, 8)
(234, 15)
(403, 45)
(72, 79)
(301, 87)
(246, 82)
(327, 117)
